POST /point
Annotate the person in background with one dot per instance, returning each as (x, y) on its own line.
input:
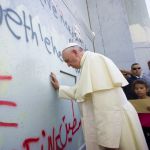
(109, 121)
(136, 73)
(141, 89)
(125, 73)
(146, 76)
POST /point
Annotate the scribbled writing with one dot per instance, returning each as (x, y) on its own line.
(32, 31)
(57, 13)
(15, 21)
(56, 141)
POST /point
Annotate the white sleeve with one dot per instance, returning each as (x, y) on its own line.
(67, 92)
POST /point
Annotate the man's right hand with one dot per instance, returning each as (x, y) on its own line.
(54, 81)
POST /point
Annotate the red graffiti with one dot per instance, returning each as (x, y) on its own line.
(7, 103)
(10, 104)
(27, 142)
(4, 124)
(5, 77)
(56, 141)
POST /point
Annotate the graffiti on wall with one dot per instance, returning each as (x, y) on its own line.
(56, 141)
(61, 135)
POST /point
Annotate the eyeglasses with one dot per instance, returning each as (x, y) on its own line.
(136, 68)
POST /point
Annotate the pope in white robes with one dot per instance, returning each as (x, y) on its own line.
(109, 121)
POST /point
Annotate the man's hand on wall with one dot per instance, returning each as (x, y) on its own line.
(54, 81)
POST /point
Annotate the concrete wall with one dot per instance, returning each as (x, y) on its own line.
(109, 21)
(139, 23)
(137, 12)
(142, 55)
(122, 28)
(32, 116)
(139, 20)
(79, 9)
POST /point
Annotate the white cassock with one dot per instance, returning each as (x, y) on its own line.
(108, 119)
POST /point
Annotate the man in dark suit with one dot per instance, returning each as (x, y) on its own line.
(136, 73)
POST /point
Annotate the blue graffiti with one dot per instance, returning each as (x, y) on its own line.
(15, 21)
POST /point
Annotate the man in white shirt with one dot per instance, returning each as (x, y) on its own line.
(109, 121)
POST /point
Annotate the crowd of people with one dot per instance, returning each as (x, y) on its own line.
(139, 88)
(133, 90)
